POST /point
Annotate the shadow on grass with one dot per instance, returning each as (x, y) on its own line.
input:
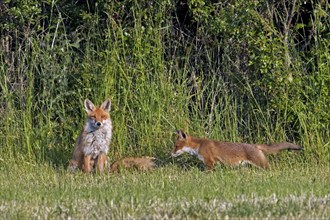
(57, 157)
(187, 162)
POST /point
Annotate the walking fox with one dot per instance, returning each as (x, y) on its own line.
(143, 163)
(210, 151)
(92, 145)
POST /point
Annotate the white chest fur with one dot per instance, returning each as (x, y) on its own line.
(97, 141)
(193, 151)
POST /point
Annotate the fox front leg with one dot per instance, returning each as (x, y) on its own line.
(101, 163)
(209, 165)
(87, 164)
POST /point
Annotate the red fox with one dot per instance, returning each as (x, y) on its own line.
(210, 151)
(92, 145)
(144, 163)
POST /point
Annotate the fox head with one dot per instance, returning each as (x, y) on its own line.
(97, 116)
(182, 144)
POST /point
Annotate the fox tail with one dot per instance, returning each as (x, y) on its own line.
(275, 148)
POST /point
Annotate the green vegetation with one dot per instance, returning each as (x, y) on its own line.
(300, 191)
(248, 71)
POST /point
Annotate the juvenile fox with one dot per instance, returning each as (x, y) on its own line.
(143, 163)
(92, 145)
(210, 151)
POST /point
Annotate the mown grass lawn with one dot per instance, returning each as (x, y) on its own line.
(297, 190)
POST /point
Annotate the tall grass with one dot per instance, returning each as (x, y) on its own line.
(219, 79)
(158, 78)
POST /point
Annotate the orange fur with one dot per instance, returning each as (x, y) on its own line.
(144, 163)
(92, 145)
(210, 151)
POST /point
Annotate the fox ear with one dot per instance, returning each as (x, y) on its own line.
(89, 106)
(106, 105)
(182, 135)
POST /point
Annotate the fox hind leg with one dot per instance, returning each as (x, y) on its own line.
(259, 159)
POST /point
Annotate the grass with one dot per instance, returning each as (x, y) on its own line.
(296, 190)
(161, 78)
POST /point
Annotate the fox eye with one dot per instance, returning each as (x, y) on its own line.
(103, 116)
(92, 116)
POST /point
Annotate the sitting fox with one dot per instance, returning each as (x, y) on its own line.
(232, 154)
(92, 145)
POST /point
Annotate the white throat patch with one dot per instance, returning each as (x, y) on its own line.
(192, 151)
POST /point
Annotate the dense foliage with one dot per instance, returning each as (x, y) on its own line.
(252, 71)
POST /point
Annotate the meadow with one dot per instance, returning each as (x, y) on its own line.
(291, 190)
(241, 71)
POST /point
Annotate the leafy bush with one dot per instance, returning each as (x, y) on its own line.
(239, 71)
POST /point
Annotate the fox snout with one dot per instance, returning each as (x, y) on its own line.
(176, 153)
(97, 124)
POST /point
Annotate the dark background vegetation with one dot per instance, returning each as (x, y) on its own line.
(236, 70)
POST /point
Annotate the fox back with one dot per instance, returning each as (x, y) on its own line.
(95, 137)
